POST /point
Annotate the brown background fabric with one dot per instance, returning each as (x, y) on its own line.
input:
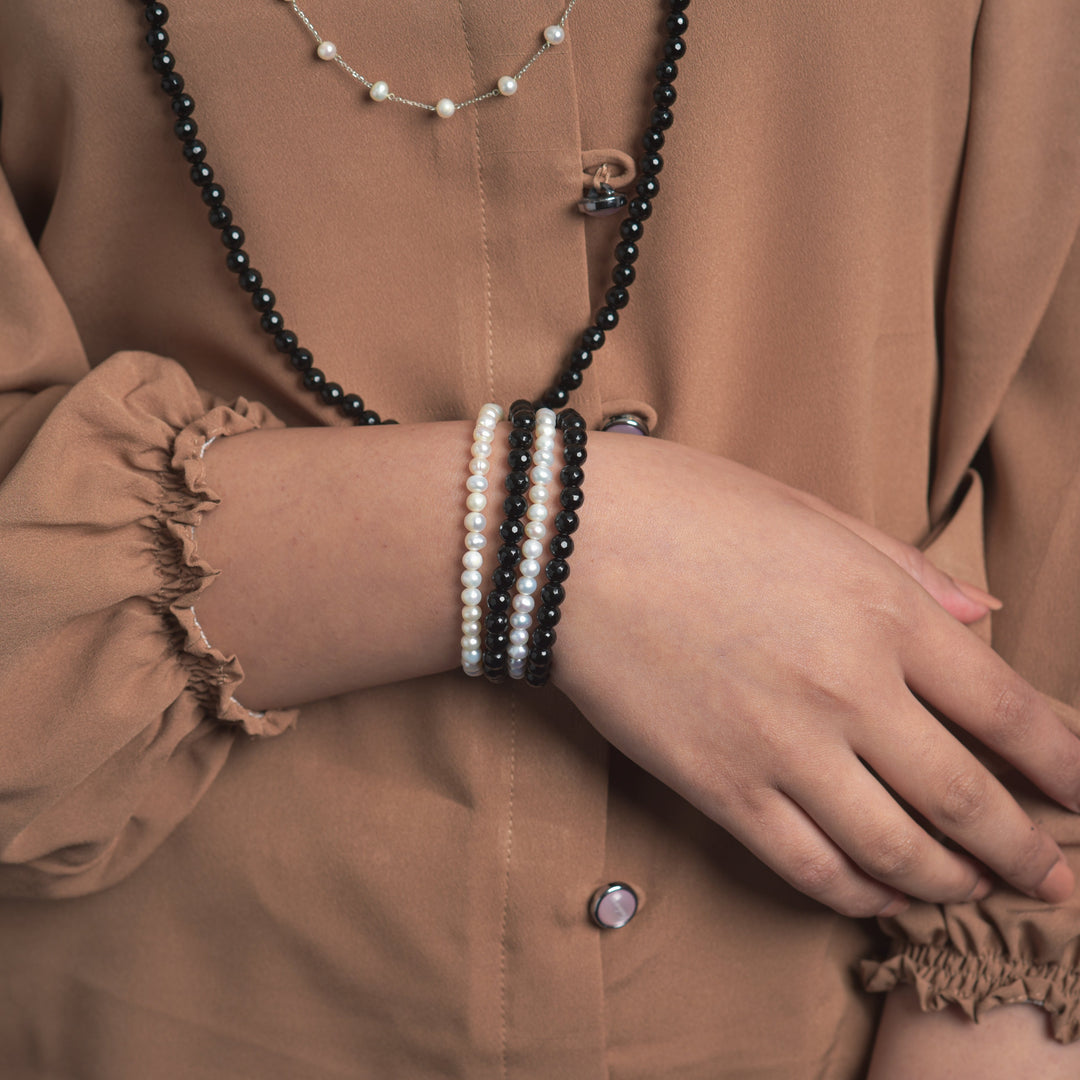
(862, 278)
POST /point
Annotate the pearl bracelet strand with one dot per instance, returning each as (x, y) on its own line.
(379, 90)
(472, 577)
(528, 570)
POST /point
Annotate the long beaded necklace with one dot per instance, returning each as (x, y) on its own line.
(272, 322)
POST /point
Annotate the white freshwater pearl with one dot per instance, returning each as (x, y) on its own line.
(472, 560)
(327, 50)
(535, 530)
(471, 657)
(517, 652)
(520, 620)
(483, 434)
(477, 483)
(537, 512)
(526, 586)
(470, 642)
(476, 501)
(529, 568)
(470, 628)
(474, 541)
(554, 35)
(471, 597)
(445, 108)
(472, 579)
(379, 91)
(507, 85)
(479, 467)
(541, 474)
(475, 522)
(538, 493)
(544, 457)
(523, 603)
(519, 637)
(532, 549)
(481, 449)
(493, 409)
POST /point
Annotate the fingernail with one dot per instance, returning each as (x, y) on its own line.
(979, 596)
(1057, 885)
(982, 889)
(894, 907)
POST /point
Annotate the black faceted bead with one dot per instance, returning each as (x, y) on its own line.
(173, 83)
(520, 439)
(665, 95)
(535, 677)
(201, 174)
(272, 322)
(572, 497)
(249, 280)
(679, 5)
(522, 413)
(496, 623)
(562, 547)
(661, 119)
(385, 423)
(667, 71)
(220, 216)
(557, 570)
(519, 460)
(515, 506)
(593, 337)
(352, 405)
(575, 437)
(617, 298)
(331, 393)
(183, 104)
(556, 397)
(552, 594)
(508, 556)
(571, 420)
(157, 39)
(498, 600)
(301, 359)
(548, 616)
(652, 140)
(651, 164)
(512, 531)
(640, 209)
(369, 418)
(566, 521)
(571, 475)
(648, 187)
(156, 14)
(607, 318)
(213, 194)
(232, 237)
(544, 637)
(627, 252)
(674, 48)
(185, 128)
(503, 578)
(623, 275)
(263, 300)
(163, 63)
(631, 230)
(580, 359)
(314, 379)
(570, 380)
(237, 260)
(676, 23)
(575, 455)
(495, 664)
(516, 483)
(285, 341)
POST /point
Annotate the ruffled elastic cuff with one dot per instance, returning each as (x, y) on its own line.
(213, 677)
(978, 983)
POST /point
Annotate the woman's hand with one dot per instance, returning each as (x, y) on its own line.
(768, 658)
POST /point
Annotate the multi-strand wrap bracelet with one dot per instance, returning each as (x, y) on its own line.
(516, 634)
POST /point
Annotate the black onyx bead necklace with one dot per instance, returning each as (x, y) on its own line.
(264, 301)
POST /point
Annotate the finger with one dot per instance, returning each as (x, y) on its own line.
(867, 823)
(783, 837)
(937, 775)
(968, 682)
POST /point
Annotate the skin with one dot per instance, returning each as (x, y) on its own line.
(805, 642)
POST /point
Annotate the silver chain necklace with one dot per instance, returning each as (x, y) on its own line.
(379, 90)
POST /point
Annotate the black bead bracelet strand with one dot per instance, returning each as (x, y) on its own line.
(522, 417)
(272, 322)
(548, 612)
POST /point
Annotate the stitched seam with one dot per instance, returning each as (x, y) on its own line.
(489, 333)
(504, 1031)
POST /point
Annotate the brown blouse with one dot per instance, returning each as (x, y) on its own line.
(862, 278)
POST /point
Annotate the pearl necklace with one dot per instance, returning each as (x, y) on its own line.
(379, 90)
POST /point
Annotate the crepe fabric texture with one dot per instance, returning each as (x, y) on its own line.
(861, 277)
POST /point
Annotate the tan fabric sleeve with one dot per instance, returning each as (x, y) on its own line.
(117, 713)
(1016, 263)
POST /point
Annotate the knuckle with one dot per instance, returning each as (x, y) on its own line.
(1014, 711)
(964, 799)
(1033, 859)
(816, 873)
(892, 856)
(891, 608)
